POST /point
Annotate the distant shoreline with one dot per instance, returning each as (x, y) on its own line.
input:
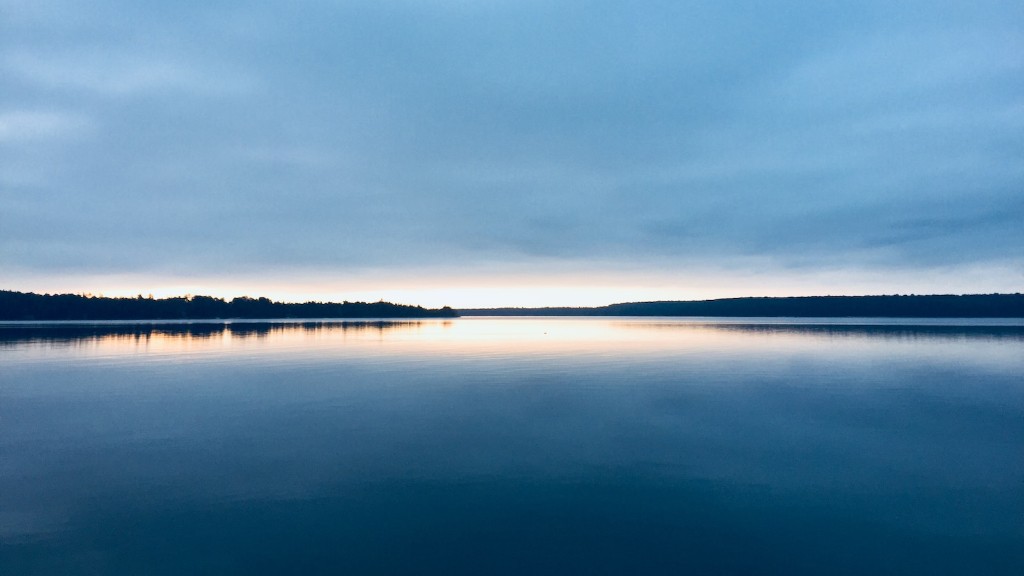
(21, 306)
(27, 306)
(910, 306)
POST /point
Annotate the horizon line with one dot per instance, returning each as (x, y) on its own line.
(190, 296)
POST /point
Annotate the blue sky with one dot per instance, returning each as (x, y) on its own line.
(511, 153)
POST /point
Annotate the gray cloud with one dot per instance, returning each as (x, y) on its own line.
(218, 138)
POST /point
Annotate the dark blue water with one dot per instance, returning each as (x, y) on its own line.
(512, 446)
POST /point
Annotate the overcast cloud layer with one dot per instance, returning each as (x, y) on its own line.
(313, 140)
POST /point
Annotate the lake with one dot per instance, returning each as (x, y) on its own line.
(513, 446)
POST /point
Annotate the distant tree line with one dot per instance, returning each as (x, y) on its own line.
(897, 306)
(30, 306)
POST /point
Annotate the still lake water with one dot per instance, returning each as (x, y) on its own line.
(513, 446)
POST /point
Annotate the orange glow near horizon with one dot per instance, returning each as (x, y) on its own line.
(479, 289)
(432, 297)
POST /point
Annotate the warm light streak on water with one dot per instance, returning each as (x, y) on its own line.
(512, 336)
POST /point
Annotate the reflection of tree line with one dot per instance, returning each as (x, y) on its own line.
(199, 331)
(904, 332)
(28, 306)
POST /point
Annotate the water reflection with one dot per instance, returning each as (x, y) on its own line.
(70, 332)
(513, 446)
(1012, 332)
(477, 329)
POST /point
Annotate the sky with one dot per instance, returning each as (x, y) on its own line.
(511, 153)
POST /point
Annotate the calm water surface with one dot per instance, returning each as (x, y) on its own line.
(513, 446)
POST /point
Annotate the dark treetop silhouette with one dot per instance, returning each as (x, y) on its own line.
(944, 306)
(29, 306)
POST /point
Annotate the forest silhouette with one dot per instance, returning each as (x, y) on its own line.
(30, 306)
(895, 306)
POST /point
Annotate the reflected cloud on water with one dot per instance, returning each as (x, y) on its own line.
(524, 445)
